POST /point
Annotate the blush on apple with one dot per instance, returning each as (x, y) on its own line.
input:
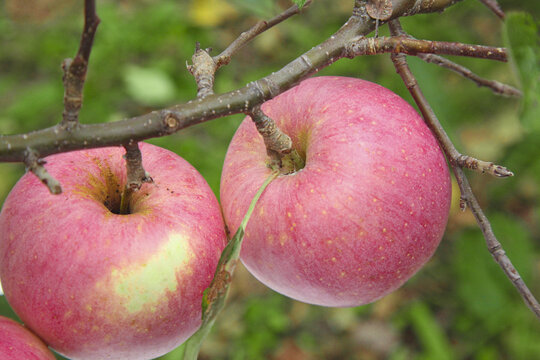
(17, 342)
(96, 284)
(365, 213)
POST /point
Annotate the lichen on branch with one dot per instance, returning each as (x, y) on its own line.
(203, 70)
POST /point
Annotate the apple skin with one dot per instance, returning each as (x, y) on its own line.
(17, 342)
(366, 212)
(97, 285)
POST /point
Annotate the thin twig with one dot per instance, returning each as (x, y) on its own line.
(75, 69)
(225, 57)
(467, 196)
(411, 46)
(469, 162)
(494, 246)
(497, 87)
(35, 165)
(205, 66)
(493, 5)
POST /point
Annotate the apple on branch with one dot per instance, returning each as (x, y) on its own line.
(363, 215)
(95, 283)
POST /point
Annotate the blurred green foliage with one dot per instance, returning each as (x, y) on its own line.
(521, 35)
(460, 306)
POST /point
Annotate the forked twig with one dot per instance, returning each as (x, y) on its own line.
(205, 66)
(225, 57)
(494, 246)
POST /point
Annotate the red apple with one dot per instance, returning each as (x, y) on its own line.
(365, 213)
(17, 342)
(94, 284)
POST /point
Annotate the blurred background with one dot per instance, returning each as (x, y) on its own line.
(459, 306)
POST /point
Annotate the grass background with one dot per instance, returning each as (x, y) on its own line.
(460, 306)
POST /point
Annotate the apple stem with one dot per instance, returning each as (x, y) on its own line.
(278, 144)
(125, 200)
(136, 175)
(275, 140)
(292, 162)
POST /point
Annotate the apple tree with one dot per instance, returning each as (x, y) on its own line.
(240, 56)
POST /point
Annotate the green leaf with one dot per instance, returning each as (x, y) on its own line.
(521, 38)
(430, 334)
(149, 86)
(214, 296)
(300, 3)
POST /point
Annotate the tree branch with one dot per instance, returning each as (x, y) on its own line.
(497, 87)
(454, 156)
(411, 46)
(467, 196)
(75, 69)
(469, 162)
(494, 246)
(167, 121)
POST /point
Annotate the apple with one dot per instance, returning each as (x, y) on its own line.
(96, 284)
(366, 212)
(17, 342)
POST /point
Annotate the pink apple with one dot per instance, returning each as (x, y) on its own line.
(94, 284)
(17, 342)
(365, 213)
